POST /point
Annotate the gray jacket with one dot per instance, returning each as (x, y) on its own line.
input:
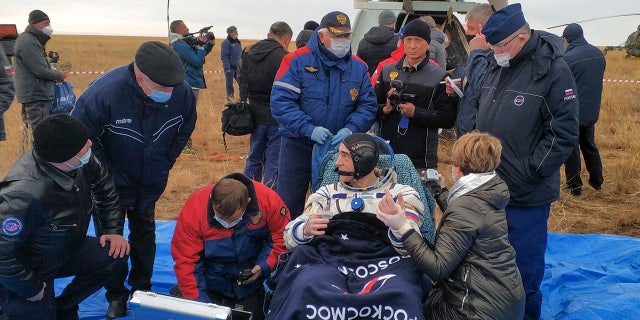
(6, 82)
(437, 51)
(473, 261)
(34, 78)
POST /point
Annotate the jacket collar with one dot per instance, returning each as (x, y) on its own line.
(62, 179)
(542, 50)
(327, 58)
(41, 36)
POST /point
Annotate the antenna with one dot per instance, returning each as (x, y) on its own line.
(607, 17)
(168, 28)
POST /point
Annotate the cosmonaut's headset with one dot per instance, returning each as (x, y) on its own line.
(364, 150)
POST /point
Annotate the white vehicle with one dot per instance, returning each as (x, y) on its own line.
(443, 12)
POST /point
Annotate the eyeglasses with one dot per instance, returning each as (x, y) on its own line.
(502, 46)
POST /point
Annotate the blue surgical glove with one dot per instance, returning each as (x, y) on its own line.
(342, 133)
(320, 134)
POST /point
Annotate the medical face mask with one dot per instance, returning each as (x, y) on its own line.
(503, 59)
(340, 46)
(227, 225)
(157, 96)
(47, 30)
(83, 161)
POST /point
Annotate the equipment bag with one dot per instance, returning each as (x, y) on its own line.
(65, 98)
(236, 120)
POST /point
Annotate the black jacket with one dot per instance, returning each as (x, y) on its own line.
(377, 45)
(531, 106)
(258, 66)
(434, 109)
(45, 214)
(587, 64)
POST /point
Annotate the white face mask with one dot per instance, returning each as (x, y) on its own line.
(340, 46)
(503, 59)
(47, 30)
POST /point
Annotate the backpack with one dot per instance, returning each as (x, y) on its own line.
(237, 120)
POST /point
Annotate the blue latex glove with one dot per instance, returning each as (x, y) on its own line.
(342, 133)
(320, 134)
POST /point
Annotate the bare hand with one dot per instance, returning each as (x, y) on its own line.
(449, 89)
(478, 42)
(65, 74)
(407, 109)
(315, 226)
(118, 246)
(40, 294)
(387, 107)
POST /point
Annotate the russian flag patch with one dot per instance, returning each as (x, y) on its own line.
(8, 70)
(568, 92)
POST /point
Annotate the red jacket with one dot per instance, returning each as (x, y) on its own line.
(209, 257)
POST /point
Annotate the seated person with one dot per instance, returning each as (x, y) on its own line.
(472, 260)
(222, 230)
(343, 261)
(359, 189)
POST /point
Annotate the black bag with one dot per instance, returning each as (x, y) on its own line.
(237, 120)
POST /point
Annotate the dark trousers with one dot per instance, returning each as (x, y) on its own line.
(90, 264)
(142, 239)
(33, 112)
(572, 166)
(528, 236)
(264, 152)
(228, 78)
(294, 174)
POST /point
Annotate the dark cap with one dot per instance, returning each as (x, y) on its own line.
(572, 32)
(417, 28)
(310, 25)
(231, 29)
(386, 17)
(36, 16)
(59, 138)
(336, 22)
(160, 63)
(503, 23)
(364, 153)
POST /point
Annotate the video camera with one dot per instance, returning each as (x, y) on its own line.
(245, 275)
(193, 38)
(399, 96)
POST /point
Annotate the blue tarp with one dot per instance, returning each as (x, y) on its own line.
(587, 277)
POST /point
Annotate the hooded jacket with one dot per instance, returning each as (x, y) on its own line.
(137, 138)
(532, 107)
(377, 45)
(258, 68)
(45, 213)
(437, 51)
(209, 257)
(193, 59)
(472, 260)
(315, 88)
(34, 78)
(587, 63)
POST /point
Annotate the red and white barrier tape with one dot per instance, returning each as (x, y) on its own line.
(621, 81)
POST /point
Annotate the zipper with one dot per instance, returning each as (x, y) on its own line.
(466, 288)
(55, 227)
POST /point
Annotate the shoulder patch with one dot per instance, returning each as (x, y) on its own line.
(256, 218)
(283, 211)
(11, 226)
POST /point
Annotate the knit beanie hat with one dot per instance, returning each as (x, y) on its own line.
(310, 25)
(503, 23)
(160, 63)
(231, 29)
(417, 28)
(59, 137)
(36, 16)
(572, 32)
(386, 17)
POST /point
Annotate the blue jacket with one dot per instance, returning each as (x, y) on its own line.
(472, 75)
(137, 138)
(313, 89)
(230, 52)
(193, 59)
(587, 64)
(532, 108)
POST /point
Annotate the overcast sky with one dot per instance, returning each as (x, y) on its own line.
(253, 17)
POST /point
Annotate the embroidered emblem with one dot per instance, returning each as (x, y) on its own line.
(11, 226)
(569, 94)
(342, 19)
(255, 219)
(518, 101)
(354, 94)
(283, 211)
(311, 69)
(393, 75)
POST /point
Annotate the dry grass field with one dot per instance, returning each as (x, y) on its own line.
(613, 210)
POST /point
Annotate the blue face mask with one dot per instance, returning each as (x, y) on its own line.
(83, 161)
(227, 225)
(157, 96)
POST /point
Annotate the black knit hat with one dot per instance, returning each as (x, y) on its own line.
(364, 153)
(417, 28)
(59, 137)
(310, 25)
(36, 16)
(160, 63)
(572, 32)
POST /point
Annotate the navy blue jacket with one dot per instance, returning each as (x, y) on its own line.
(532, 108)
(137, 138)
(230, 52)
(587, 64)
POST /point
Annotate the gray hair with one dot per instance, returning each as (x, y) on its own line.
(481, 12)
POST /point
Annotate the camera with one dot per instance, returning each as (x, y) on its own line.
(245, 275)
(430, 175)
(193, 39)
(399, 96)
